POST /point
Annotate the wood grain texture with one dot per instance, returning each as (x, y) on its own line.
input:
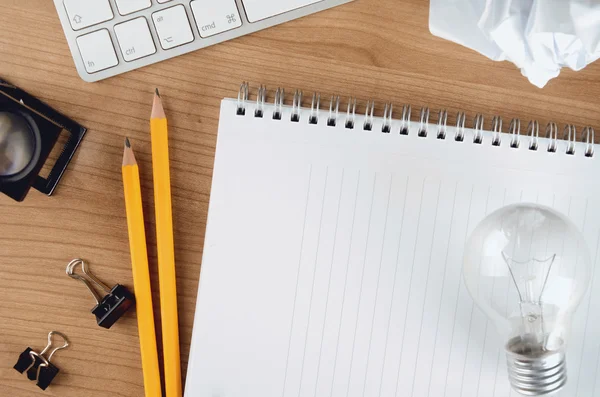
(371, 49)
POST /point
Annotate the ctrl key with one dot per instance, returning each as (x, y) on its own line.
(97, 51)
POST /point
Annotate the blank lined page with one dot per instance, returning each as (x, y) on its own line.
(333, 260)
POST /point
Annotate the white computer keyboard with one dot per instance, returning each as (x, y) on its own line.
(110, 37)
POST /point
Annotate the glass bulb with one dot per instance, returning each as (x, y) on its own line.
(528, 267)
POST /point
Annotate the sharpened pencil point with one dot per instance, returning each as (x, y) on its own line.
(158, 112)
(156, 92)
(128, 156)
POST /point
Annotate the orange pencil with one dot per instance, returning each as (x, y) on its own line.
(141, 274)
(165, 248)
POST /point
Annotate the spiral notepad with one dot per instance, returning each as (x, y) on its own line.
(333, 253)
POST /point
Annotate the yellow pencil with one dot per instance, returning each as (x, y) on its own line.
(141, 274)
(165, 248)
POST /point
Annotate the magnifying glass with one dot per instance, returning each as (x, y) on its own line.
(20, 145)
(29, 131)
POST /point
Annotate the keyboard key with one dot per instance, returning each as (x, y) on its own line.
(163, 1)
(85, 13)
(215, 17)
(128, 6)
(258, 10)
(97, 51)
(173, 27)
(135, 39)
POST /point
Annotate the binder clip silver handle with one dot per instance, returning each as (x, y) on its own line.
(50, 343)
(87, 281)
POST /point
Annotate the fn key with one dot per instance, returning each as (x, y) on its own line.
(97, 51)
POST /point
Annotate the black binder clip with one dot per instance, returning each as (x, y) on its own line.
(37, 365)
(110, 308)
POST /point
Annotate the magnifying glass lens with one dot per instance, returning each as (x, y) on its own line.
(17, 144)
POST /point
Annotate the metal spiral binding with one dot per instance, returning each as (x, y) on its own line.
(497, 130)
(351, 116)
(478, 127)
(442, 124)
(278, 103)
(260, 101)
(570, 135)
(533, 130)
(369, 116)
(242, 99)
(423, 122)
(405, 122)
(461, 120)
(514, 131)
(552, 133)
(387, 118)
(333, 112)
(296, 105)
(589, 141)
(313, 118)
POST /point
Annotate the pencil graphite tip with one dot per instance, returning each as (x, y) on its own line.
(156, 92)
(128, 156)
(158, 112)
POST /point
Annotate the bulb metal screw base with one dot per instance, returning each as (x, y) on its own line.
(533, 370)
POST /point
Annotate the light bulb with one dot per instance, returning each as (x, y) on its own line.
(528, 267)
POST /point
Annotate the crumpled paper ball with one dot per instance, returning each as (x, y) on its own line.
(539, 37)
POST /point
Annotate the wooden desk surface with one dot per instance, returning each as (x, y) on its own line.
(372, 49)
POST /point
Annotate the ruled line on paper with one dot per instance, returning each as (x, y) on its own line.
(457, 295)
(337, 217)
(578, 369)
(312, 290)
(394, 282)
(297, 279)
(473, 308)
(378, 279)
(592, 288)
(361, 283)
(345, 283)
(410, 286)
(443, 282)
(437, 205)
(485, 340)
